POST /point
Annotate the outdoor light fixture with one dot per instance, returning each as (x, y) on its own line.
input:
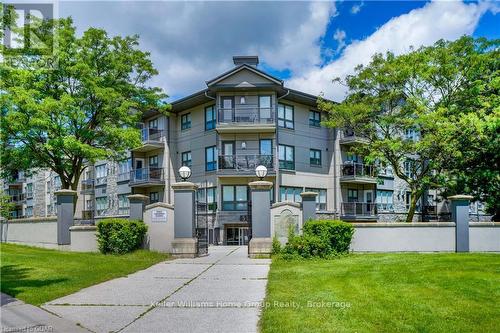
(243, 100)
(261, 171)
(185, 173)
(243, 145)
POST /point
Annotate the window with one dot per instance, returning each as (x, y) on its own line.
(386, 171)
(315, 157)
(154, 197)
(288, 193)
(153, 161)
(100, 174)
(352, 195)
(408, 202)
(153, 123)
(410, 167)
(266, 147)
(124, 169)
(29, 211)
(57, 183)
(186, 121)
(207, 198)
(123, 204)
(186, 159)
(29, 190)
(265, 108)
(209, 118)
(385, 201)
(101, 205)
(412, 134)
(234, 197)
(314, 118)
(285, 116)
(320, 198)
(210, 158)
(286, 157)
(49, 186)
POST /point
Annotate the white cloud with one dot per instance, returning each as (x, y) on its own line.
(339, 36)
(423, 26)
(191, 42)
(356, 8)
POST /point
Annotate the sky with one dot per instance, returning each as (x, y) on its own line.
(307, 44)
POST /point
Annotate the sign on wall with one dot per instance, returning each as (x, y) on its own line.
(159, 216)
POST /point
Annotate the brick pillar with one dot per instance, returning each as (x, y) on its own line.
(137, 204)
(460, 215)
(65, 210)
(308, 206)
(184, 244)
(261, 242)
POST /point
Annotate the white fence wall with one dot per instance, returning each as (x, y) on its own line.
(484, 236)
(31, 231)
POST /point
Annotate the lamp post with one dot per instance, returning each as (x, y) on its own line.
(185, 172)
(261, 171)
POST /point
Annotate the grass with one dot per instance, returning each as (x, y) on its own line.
(385, 293)
(37, 275)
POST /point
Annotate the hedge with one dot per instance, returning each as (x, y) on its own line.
(120, 236)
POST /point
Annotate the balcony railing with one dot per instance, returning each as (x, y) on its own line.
(151, 134)
(146, 175)
(357, 170)
(29, 194)
(246, 115)
(124, 176)
(244, 163)
(17, 198)
(358, 209)
(348, 136)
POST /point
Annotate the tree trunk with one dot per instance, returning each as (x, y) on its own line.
(415, 195)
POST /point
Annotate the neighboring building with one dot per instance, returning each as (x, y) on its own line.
(244, 118)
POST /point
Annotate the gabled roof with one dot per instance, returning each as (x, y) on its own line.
(240, 68)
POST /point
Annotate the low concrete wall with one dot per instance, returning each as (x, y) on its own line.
(40, 232)
(404, 237)
(83, 238)
(484, 236)
(159, 217)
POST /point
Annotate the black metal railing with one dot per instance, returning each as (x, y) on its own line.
(151, 134)
(252, 115)
(146, 175)
(358, 209)
(16, 198)
(244, 162)
(358, 170)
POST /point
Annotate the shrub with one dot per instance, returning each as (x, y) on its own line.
(321, 238)
(120, 235)
(276, 245)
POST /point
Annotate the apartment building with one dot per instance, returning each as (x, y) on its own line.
(243, 118)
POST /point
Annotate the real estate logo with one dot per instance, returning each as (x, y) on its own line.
(25, 30)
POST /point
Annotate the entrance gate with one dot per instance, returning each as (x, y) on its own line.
(204, 220)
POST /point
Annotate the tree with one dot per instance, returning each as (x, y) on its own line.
(6, 205)
(77, 105)
(408, 108)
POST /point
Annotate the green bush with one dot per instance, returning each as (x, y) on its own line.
(120, 235)
(321, 238)
(276, 245)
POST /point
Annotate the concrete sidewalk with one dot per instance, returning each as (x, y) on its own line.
(17, 316)
(217, 293)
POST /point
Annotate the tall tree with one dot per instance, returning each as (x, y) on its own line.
(77, 105)
(408, 107)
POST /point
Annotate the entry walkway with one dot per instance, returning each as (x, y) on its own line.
(220, 292)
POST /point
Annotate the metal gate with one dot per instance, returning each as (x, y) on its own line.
(204, 220)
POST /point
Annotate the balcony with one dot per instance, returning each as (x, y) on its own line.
(17, 198)
(357, 173)
(348, 137)
(123, 177)
(151, 139)
(358, 211)
(245, 120)
(147, 177)
(243, 164)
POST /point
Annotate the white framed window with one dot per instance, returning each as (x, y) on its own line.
(320, 198)
(385, 200)
(101, 174)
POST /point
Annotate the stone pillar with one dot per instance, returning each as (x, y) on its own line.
(65, 210)
(184, 244)
(460, 215)
(308, 206)
(261, 242)
(137, 204)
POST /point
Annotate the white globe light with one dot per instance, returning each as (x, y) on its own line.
(185, 172)
(261, 171)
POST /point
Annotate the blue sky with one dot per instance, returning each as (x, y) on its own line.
(306, 43)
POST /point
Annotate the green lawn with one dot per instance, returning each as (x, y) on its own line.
(37, 275)
(385, 293)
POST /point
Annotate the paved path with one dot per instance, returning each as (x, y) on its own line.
(17, 316)
(217, 293)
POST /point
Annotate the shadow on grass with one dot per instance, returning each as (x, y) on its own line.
(16, 278)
